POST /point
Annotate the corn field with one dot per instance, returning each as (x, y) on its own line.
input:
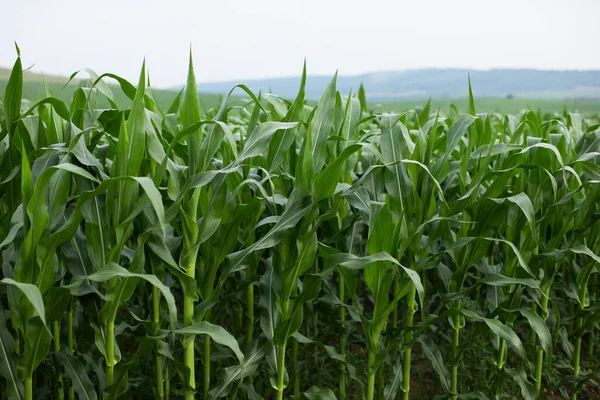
(273, 248)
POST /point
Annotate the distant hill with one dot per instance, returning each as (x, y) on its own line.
(387, 91)
(438, 83)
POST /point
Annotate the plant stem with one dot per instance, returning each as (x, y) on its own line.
(110, 352)
(206, 365)
(500, 365)
(455, 341)
(250, 321)
(407, 353)
(56, 333)
(501, 352)
(188, 346)
(371, 375)
(280, 371)
(167, 384)
(189, 265)
(577, 354)
(539, 359)
(158, 357)
(29, 388)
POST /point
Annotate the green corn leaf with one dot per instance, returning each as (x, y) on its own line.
(471, 101)
(433, 354)
(391, 389)
(57, 302)
(292, 322)
(362, 97)
(473, 396)
(289, 218)
(524, 203)
(353, 262)
(136, 123)
(539, 327)
(75, 371)
(33, 295)
(37, 344)
(216, 333)
(8, 361)
(327, 180)
(315, 393)
(59, 107)
(190, 115)
(322, 123)
(12, 96)
(501, 330)
(501, 280)
(260, 137)
(520, 377)
(235, 373)
(424, 114)
(112, 270)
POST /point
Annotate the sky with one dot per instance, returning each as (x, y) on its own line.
(244, 39)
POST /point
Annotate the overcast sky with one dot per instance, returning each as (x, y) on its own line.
(241, 39)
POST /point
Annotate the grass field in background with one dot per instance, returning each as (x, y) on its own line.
(33, 89)
(510, 106)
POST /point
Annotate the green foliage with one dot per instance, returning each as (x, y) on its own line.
(283, 249)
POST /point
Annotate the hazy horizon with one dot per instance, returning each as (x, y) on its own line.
(237, 40)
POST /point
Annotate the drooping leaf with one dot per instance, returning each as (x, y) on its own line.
(75, 371)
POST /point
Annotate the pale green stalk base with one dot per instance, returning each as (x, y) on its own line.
(159, 377)
(577, 354)
(110, 353)
(250, 321)
(280, 372)
(539, 359)
(371, 377)
(158, 358)
(455, 341)
(188, 349)
(206, 365)
(500, 364)
(501, 353)
(407, 354)
(167, 384)
(29, 388)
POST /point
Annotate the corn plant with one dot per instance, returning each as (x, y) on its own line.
(317, 249)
